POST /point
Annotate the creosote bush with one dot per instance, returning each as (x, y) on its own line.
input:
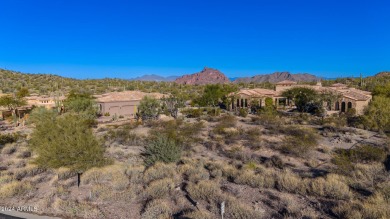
(299, 141)
(162, 149)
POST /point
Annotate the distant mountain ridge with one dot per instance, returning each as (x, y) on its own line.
(277, 77)
(206, 76)
(153, 77)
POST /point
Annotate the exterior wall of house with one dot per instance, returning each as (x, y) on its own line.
(119, 108)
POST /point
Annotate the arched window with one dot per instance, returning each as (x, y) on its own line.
(349, 105)
(343, 107)
(337, 107)
(238, 103)
(242, 102)
(246, 103)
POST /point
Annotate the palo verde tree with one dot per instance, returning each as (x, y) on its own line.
(12, 102)
(82, 104)
(172, 104)
(377, 114)
(64, 141)
(149, 108)
(215, 94)
(305, 99)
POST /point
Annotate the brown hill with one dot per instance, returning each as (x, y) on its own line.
(206, 76)
(277, 77)
(383, 74)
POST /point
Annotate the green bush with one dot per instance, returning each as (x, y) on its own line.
(8, 138)
(345, 159)
(163, 149)
(299, 141)
(243, 112)
(192, 113)
(66, 141)
(213, 111)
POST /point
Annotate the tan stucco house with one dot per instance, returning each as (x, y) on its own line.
(349, 97)
(122, 103)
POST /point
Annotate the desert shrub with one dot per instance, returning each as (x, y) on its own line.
(14, 188)
(162, 149)
(30, 170)
(65, 173)
(74, 209)
(332, 187)
(242, 112)
(111, 176)
(376, 207)
(345, 159)
(149, 108)
(9, 149)
(194, 172)
(135, 173)
(192, 113)
(299, 141)
(366, 177)
(5, 179)
(160, 188)
(204, 190)
(157, 209)
(348, 210)
(290, 182)
(200, 214)
(254, 180)
(8, 138)
(235, 209)
(274, 161)
(213, 111)
(159, 171)
(123, 136)
(269, 120)
(183, 133)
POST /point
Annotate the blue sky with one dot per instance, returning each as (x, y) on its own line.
(95, 39)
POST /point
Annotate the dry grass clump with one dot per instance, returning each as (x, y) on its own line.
(235, 209)
(204, 190)
(160, 171)
(376, 207)
(15, 188)
(157, 209)
(159, 189)
(200, 214)
(332, 186)
(290, 182)
(5, 179)
(135, 173)
(294, 209)
(105, 193)
(65, 173)
(9, 149)
(123, 136)
(73, 208)
(249, 177)
(367, 176)
(194, 171)
(299, 141)
(28, 171)
(112, 176)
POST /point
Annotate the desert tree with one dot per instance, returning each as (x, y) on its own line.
(149, 108)
(64, 141)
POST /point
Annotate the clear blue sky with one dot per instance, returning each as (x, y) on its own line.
(95, 39)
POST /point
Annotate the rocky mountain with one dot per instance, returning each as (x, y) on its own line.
(206, 76)
(277, 77)
(383, 74)
(154, 77)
